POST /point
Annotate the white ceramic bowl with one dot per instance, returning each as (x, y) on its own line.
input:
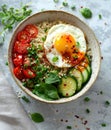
(71, 19)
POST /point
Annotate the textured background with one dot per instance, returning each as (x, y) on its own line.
(58, 117)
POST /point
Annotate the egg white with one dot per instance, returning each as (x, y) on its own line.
(52, 35)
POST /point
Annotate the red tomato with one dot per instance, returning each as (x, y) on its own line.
(32, 30)
(23, 36)
(18, 60)
(21, 48)
(18, 72)
(29, 73)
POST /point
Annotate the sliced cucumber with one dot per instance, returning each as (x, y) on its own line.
(88, 67)
(79, 77)
(84, 72)
(68, 86)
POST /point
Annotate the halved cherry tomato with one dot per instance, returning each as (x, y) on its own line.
(32, 30)
(23, 36)
(18, 60)
(21, 48)
(29, 73)
(18, 72)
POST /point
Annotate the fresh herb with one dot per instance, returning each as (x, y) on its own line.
(87, 110)
(56, 1)
(87, 13)
(73, 7)
(69, 127)
(107, 103)
(10, 16)
(32, 51)
(43, 38)
(101, 92)
(100, 16)
(40, 48)
(55, 59)
(77, 44)
(45, 30)
(75, 56)
(37, 117)
(25, 99)
(86, 99)
(6, 63)
(65, 4)
(103, 124)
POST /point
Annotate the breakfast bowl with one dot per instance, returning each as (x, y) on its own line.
(54, 57)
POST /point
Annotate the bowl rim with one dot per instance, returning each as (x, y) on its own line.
(63, 100)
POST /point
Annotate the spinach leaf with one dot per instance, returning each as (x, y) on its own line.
(46, 91)
(37, 117)
(52, 78)
(51, 92)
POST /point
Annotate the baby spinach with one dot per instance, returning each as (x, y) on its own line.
(52, 78)
(46, 91)
(37, 117)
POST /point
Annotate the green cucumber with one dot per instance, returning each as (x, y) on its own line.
(85, 74)
(88, 67)
(68, 86)
(79, 77)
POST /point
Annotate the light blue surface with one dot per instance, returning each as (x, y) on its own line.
(58, 117)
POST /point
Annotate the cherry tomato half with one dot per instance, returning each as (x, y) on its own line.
(29, 73)
(32, 30)
(18, 60)
(21, 48)
(18, 72)
(23, 36)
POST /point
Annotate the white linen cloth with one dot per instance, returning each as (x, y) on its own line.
(12, 114)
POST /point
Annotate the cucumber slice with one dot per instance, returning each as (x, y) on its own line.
(85, 75)
(88, 67)
(84, 72)
(68, 86)
(79, 77)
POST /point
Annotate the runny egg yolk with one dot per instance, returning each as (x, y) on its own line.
(65, 44)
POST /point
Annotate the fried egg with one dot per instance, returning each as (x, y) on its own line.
(65, 45)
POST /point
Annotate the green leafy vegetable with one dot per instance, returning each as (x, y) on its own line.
(25, 99)
(52, 78)
(51, 92)
(87, 13)
(107, 103)
(37, 117)
(43, 38)
(103, 124)
(55, 59)
(100, 16)
(73, 7)
(46, 91)
(6, 63)
(11, 16)
(69, 127)
(86, 99)
(64, 3)
(87, 110)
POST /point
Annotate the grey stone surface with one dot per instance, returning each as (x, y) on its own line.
(58, 117)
